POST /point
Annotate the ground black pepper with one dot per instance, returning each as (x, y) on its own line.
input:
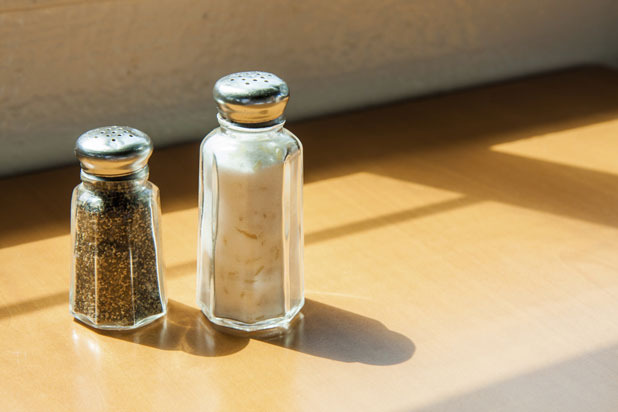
(117, 272)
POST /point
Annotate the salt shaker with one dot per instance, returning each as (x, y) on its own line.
(117, 271)
(250, 253)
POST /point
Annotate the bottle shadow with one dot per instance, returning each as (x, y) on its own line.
(184, 328)
(320, 330)
(329, 332)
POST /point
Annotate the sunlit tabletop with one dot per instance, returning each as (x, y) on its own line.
(461, 255)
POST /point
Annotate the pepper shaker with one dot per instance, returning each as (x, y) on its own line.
(117, 270)
(250, 253)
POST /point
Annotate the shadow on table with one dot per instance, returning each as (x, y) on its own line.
(586, 382)
(329, 332)
(183, 329)
(321, 330)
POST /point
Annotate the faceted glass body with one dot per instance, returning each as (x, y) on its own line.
(250, 257)
(117, 270)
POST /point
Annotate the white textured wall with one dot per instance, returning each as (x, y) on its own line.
(70, 65)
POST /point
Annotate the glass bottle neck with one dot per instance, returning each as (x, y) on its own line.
(115, 182)
(235, 128)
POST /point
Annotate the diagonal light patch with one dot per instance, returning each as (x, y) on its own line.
(363, 201)
(565, 147)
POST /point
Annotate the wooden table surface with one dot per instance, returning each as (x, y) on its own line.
(461, 255)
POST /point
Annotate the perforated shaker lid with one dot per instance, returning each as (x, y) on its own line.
(253, 99)
(113, 151)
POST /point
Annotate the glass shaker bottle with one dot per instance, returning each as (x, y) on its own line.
(117, 271)
(250, 253)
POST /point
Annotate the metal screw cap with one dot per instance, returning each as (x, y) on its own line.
(253, 99)
(113, 151)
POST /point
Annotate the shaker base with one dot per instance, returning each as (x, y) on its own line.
(143, 322)
(263, 328)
